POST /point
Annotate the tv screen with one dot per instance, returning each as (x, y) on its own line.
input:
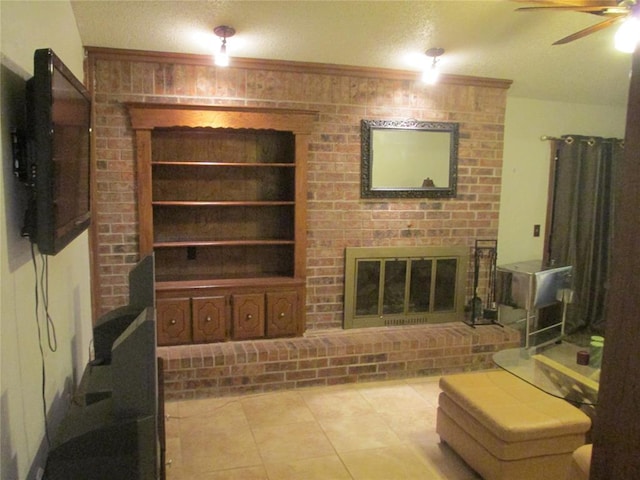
(59, 126)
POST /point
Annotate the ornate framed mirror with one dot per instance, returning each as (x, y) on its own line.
(408, 159)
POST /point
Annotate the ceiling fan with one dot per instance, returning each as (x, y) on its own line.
(626, 11)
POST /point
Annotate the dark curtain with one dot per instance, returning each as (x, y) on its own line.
(581, 222)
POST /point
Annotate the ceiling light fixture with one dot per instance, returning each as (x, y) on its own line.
(431, 72)
(224, 32)
(628, 35)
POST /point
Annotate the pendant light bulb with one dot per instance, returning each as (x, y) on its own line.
(222, 59)
(431, 74)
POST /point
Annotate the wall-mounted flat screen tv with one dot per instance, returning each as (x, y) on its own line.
(58, 146)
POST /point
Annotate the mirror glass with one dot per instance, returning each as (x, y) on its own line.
(408, 158)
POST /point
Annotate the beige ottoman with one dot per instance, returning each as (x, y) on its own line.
(507, 429)
(581, 463)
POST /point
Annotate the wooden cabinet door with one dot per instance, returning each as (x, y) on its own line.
(248, 316)
(173, 317)
(282, 309)
(209, 319)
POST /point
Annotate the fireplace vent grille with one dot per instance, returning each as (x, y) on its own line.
(394, 322)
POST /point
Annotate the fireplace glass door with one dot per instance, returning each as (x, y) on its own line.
(403, 289)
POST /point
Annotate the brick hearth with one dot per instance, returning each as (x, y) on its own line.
(330, 357)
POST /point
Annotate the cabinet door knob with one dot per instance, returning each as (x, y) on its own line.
(173, 321)
(281, 315)
(208, 319)
(249, 316)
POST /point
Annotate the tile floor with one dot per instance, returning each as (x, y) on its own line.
(367, 431)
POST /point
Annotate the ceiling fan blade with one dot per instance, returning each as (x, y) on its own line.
(572, 3)
(589, 30)
(590, 9)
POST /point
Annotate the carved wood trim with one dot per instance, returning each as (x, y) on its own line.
(147, 116)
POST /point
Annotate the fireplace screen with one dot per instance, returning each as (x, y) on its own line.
(404, 285)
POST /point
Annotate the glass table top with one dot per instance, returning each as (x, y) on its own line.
(554, 369)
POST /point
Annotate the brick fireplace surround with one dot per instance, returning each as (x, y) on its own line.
(336, 215)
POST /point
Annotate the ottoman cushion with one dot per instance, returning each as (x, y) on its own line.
(511, 409)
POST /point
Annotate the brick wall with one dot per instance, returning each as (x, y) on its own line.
(337, 217)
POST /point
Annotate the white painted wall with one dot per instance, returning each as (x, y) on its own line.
(27, 26)
(525, 173)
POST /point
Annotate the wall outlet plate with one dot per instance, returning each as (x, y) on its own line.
(536, 230)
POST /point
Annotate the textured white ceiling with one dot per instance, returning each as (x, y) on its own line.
(481, 38)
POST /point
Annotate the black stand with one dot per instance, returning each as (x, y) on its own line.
(485, 256)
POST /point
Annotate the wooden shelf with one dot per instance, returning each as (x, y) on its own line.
(200, 282)
(221, 243)
(221, 164)
(190, 203)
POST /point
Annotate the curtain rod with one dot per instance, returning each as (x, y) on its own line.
(549, 137)
(569, 139)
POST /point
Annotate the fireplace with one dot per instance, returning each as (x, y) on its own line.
(404, 285)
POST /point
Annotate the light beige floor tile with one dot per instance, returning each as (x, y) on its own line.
(398, 462)
(320, 468)
(201, 406)
(359, 433)
(173, 457)
(173, 452)
(293, 441)
(249, 473)
(429, 390)
(279, 408)
(410, 426)
(444, 460)
(175, 473)
(336, 403)
(205, 406)
(172, 425)
(171, 408)
(385, 398)
(218, 417)
(204, 451)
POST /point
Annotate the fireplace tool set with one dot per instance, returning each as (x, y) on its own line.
(484, 271)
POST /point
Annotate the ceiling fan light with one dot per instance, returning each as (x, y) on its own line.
(628, 35)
